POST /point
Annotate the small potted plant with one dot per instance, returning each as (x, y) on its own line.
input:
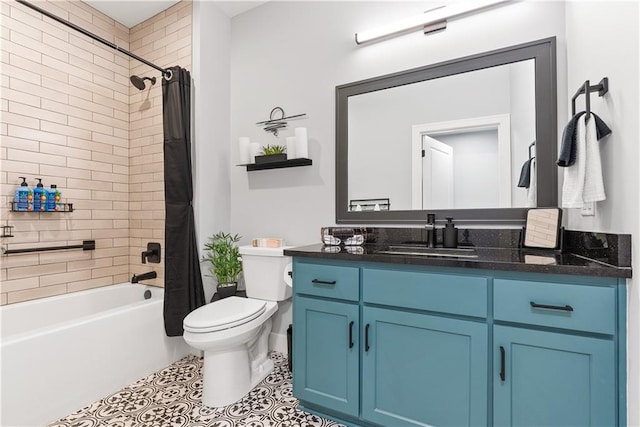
(272, 153)
(226, 264)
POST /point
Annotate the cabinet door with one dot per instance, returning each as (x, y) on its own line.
(325, 354)
(423, 370)
(552, 379)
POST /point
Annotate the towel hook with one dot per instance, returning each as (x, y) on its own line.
(602, 88)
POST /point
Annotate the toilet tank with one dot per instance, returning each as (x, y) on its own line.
(265, 270)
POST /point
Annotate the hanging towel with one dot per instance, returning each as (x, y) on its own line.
(567, 155)
(573, 184)
(593, 184)
(532, 197)
(525, 174)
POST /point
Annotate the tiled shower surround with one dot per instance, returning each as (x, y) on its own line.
(70, 116)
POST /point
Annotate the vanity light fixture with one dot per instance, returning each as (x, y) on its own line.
(431, 20)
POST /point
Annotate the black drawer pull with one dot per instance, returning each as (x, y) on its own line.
(502, 375)
(323, 282)
(351, 334)
(366, 338)
(551, 307)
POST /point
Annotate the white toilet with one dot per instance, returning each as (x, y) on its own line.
(234, 332)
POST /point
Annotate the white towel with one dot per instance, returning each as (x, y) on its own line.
(532, 200)
(593, 184)
(574, 175)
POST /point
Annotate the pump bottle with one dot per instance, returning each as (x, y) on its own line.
(39, 197)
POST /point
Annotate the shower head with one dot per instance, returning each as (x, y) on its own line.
(138, 82)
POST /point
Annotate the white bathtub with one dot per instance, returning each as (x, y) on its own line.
(64, 352)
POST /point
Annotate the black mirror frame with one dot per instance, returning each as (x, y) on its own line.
(544, 53)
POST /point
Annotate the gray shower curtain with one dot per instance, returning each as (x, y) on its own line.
(183, 290)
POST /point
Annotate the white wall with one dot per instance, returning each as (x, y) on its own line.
(602, 40)
(211, 77)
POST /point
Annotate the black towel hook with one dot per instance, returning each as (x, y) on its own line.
(602, 88)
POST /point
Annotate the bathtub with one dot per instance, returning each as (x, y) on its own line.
(61, 353)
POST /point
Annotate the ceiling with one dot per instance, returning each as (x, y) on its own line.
(131, 13)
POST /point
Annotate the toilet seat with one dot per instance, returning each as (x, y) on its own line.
(223, 314)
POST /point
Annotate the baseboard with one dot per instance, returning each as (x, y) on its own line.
(278, 342)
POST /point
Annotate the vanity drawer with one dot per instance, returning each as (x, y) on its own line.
(446, 293)
(560, 305)
(331, 281)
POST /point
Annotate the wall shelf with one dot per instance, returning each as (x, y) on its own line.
(63, 208)
(291, 163)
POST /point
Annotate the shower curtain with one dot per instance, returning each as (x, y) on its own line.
(182, 280)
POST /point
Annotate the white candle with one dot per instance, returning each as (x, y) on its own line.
(254, 150)
(291, 147)
(302, 149)
(243, 147)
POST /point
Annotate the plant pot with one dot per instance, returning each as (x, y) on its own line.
(271, 158)
(226, 290)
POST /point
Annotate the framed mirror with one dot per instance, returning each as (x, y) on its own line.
(472, 138)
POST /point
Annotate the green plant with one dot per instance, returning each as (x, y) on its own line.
(224, 256)
(273, 149)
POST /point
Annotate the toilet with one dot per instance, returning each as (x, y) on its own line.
(234, 332)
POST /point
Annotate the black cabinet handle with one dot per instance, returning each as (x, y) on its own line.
(502, 375)
(323, 282)
(366, 337)
(551, 307)
(351, 334)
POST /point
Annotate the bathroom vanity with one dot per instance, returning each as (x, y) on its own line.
(502, 338)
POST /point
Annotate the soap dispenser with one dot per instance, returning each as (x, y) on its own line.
(450, 235)
(24, 196)
(39, 197)
(53, 199)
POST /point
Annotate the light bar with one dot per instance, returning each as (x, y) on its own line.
(428, 18)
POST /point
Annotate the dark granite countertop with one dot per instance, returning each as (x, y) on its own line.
(577, 259)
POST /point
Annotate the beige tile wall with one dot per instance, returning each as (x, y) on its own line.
(70, 116)
(164, 40)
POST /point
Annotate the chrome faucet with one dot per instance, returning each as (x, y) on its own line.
(431, 230)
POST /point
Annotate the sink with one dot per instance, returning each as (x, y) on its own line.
(421, 250)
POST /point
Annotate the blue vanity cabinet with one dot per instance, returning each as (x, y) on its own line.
(419, 369)
(424, 359)
(553, 379)
(326, 366)
(554, 354)
(381, 345)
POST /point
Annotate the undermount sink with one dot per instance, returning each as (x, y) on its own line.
(415, 250)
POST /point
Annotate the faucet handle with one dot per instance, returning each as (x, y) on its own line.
(152, 254)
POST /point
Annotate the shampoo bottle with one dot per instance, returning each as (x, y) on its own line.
(450, 235)
(24, 196)
(39, 197)
(53, 199)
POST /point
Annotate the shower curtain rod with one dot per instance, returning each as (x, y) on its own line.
(166, 73)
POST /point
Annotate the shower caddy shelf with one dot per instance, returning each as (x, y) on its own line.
(64, 208)
(290, 163)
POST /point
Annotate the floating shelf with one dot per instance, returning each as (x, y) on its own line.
(63, 208)
(291, 163)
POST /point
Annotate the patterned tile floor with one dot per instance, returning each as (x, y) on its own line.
(171, 397)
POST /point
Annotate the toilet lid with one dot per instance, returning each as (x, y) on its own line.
(223, 314)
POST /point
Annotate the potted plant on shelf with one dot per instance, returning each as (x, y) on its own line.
(226, 264)
(272, 153)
